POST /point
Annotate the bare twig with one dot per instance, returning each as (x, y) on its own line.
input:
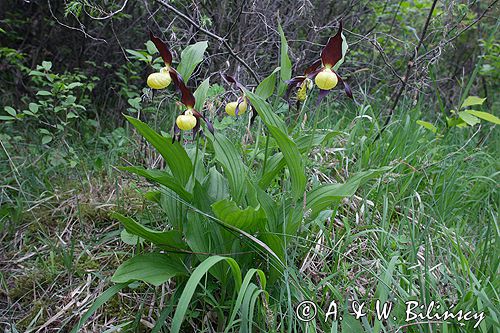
(222, 40)
(409, 67)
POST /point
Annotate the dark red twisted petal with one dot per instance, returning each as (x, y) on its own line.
(187, 97)
(313, 67)
(162, 48)
(231, 80)
(347, 88)
(292, 84)
(177, 133)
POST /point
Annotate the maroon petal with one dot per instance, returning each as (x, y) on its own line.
(177, 133)
(210, 126)
(332, 52)
(162, 48)
(347, 88)
(293, 83)
(313, 67)
(322, 94)
(187, 97)
(231, 80)
(313, 74)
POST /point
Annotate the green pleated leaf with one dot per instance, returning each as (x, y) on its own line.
(230, 159)
(285, 63)
(191, 56)
(276, 162)
(154, 268)
(165, 239)
(201, 94)
(325, 195)
(266, 88)
(173, 153)
(290, 151)
(162, 178)
(249, 219)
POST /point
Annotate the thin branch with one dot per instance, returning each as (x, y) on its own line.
(410, 65)
(108, 15)
(211, 34)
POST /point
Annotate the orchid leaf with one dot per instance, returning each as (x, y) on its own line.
(191, 57)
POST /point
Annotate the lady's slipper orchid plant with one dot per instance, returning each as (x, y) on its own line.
(325, 77)
(241, 105)
(190, 118)
(163, 78)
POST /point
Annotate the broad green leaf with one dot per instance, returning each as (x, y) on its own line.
(139, 55)
(468, 118)
(46, 139)
(43, 93)
(150, 46)
(33, 107)
(154, 268)
(162, 178)
(427, 125)
(193, 282)
(234, 169)
(128, 238)
(325, 195)
(287, 146)
(10, 110)
(266, 88)
(201, 94)
(174, 154)
(485, 116)
(216, 185)
(191, 56)
(285, 63)
(6, 118)
(99, 301)
(167, 239)
(249, 219)
(472, 100)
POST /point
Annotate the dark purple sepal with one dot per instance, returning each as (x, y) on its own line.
(313, 67)
(177, 133)
(292, 84)
(231, 80)
(332, 52)
(162, 48)
(322, 94)
(187, 97)
(347, 88)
